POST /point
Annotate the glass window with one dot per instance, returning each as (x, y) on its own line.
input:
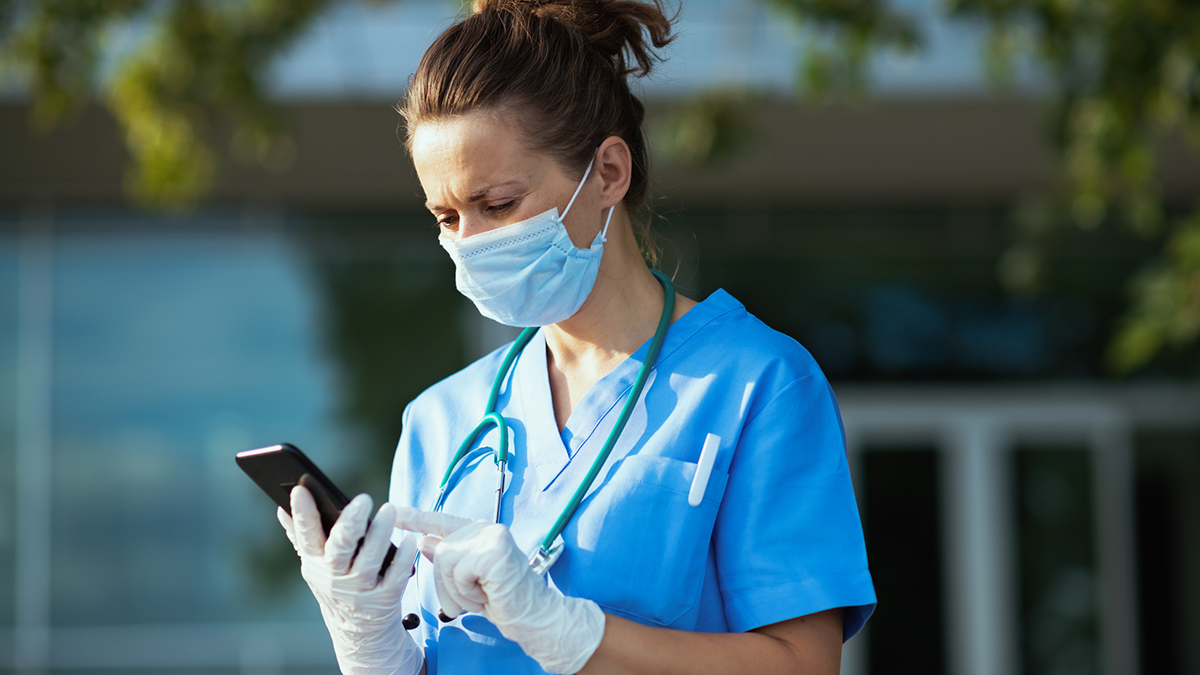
(172, 353)
(177, 342)
(1057, 564)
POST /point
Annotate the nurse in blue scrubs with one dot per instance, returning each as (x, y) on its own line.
(719, 534)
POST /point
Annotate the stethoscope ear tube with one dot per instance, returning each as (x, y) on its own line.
(490, 419)
(552, 544)
(660, 334)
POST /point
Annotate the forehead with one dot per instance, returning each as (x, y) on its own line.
(457, 155)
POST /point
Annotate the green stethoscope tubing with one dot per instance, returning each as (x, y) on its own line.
(493, 419)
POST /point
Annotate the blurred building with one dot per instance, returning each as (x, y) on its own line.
(1024, 512)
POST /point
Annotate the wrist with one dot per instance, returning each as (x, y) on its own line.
(561, 635)
(387, 653)
(372, 647)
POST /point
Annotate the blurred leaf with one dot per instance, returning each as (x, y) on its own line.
(705, 128)
(1143, 211)
(1126, 73)
(999, 52)
(201, 66)
(1166, 302)
(848, 31)
(54, 47)
(1020, 268)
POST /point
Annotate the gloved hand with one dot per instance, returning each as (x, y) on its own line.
(360, 608)
(478, 568)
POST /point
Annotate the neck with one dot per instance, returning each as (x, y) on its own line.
(619, 315)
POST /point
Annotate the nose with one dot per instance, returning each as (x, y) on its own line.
(469, 227)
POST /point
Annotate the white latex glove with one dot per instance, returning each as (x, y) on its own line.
(478, 568)
(360, 608)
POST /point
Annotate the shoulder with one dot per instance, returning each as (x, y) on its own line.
(465, 389)
(752, 370)
(733, 340)
(434, 423)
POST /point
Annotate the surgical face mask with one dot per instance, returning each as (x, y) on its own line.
(527, 273)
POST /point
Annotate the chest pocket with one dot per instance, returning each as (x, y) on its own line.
(636, 547)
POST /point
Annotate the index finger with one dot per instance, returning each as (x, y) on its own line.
(429, 522)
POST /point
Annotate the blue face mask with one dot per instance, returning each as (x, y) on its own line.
(527, 273)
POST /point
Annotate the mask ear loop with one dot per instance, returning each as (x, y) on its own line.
(604, 232)
(585, 177)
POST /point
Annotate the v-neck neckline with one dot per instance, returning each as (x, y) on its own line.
(532, 380)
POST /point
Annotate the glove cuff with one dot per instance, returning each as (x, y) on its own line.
(565, 645)
(390, 651)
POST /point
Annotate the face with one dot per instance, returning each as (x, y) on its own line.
(478, 175)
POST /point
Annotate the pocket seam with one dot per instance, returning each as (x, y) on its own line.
(670, 488)
(718, 481)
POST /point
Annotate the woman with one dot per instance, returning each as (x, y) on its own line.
(516, 111)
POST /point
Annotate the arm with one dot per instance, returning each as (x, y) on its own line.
(806, 644)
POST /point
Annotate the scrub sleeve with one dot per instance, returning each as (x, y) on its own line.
(788, 539)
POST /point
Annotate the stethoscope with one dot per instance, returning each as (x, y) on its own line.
(551, 546)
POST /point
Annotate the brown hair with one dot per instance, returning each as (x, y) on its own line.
(557, 68)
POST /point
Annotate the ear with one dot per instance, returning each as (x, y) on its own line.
(614, 166)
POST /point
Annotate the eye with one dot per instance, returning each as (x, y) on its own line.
(500, 209)
(448, 221)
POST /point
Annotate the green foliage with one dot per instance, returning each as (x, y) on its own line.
(1166, 302)
(55, 44)
(714, 125)
(1125, 73)
(705, 129)
(202, 64)
(849, 32)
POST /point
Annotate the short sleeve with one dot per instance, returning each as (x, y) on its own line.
(400, 492)
(788, 539)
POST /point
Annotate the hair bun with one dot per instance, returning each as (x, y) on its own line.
(557, 70)
(624, 31)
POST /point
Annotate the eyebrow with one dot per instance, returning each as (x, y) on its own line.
(477, 195)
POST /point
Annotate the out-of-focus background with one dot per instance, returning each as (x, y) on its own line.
(979, 216)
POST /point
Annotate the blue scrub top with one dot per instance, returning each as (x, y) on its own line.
(777, 535)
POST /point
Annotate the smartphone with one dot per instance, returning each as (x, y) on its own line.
(279, 468)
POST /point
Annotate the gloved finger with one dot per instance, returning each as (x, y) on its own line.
(469, 592)
(449, 608)
(428, 545)
(288, 526)
(374, 546)
(429, 522)
(448, 567)
(310, 536)
(401, 571)
(349, 528)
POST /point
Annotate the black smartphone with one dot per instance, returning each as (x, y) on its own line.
(279, 468)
